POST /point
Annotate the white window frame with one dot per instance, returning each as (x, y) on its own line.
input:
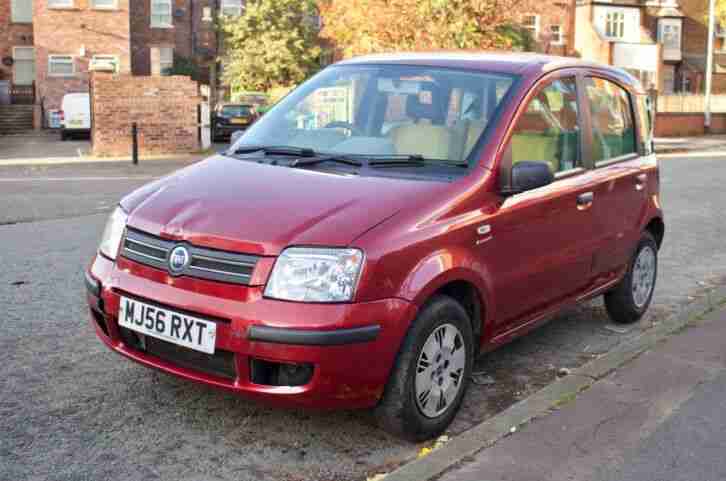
(171, 14)
(235, 5)
(561, 35)
(165, 65)
(61, 75)
(618, 23)
(15, 58)
(116, 60)
(113, 6)
(536, 27)
(60, 4)
(14, 13)
(671, 22)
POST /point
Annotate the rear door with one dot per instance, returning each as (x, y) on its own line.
(541, 249)
(620, 167)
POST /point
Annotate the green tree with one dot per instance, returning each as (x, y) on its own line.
(184, 66)
(368, 26)
(274, 43)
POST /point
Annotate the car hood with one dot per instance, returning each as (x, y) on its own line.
(243, 206)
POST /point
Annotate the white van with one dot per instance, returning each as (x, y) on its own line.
(75, 115)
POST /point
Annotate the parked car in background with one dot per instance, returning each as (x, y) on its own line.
(230, 118)
(384, 224)
(75, 115)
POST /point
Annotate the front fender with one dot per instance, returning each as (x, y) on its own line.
(443, 267)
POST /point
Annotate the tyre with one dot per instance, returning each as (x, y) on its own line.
(629, 300)
(431, 373)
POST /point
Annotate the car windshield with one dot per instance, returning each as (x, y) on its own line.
(235, 110)
(386, 111)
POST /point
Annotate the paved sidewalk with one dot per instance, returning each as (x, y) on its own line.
(676, 145)
(660, 417)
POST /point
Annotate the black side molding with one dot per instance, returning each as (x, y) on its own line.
(299, 337)
(92, 285)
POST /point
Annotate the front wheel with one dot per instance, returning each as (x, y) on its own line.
(629, 300)
(431, 374)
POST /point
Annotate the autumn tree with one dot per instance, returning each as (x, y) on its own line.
(369, 26)
(274, 43)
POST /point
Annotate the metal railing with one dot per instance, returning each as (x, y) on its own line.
(22, 94)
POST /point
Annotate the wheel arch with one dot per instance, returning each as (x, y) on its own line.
(656, 227)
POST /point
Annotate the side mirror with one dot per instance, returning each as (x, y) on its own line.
(528, 175)
(235, 136)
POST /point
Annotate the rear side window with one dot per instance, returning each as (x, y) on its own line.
(548, 130)
(613, 128)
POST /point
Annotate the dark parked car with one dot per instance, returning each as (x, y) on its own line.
(384, 224)
(230, 118)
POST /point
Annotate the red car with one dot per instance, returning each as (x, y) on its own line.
(384, 224)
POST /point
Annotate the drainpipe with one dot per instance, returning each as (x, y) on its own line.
(709, 66)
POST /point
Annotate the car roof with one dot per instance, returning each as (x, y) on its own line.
(517, 63)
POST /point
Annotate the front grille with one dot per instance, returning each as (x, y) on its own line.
(220, 364)
(204, 263)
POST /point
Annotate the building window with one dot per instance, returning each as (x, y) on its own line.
(669, 34)
(60, 3)
(21, 11)
(531, 24)
(231, 8)
(161, 14)
(104, 4)
(556, 37)
(61, 66)
(105, 63)
(23, 65)
(615, 25)
(162, 59)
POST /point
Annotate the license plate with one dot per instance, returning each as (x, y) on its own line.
(239, 121)
(168, 325)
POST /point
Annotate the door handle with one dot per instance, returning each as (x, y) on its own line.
(640, 181)
(584, 201)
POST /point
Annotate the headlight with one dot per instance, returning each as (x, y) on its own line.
(111, 239)
(315, 274)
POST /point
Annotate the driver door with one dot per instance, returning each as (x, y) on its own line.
(540, 247)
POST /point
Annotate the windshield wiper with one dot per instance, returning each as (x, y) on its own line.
(414, 160)
(341, 159)
(275, 150)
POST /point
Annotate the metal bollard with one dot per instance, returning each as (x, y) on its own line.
(135, 143)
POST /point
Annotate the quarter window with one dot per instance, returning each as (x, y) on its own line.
(61, 66)
(612, 120)
(548, 131)
(161, 13)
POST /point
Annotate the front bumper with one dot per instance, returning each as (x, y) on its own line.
(352, 347)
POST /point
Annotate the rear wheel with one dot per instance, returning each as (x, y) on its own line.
(629, 300)
(431, 374)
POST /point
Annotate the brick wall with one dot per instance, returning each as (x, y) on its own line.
(190, 36)
(554, 12)
(165, 109)
(65, 31)
(686, 124)
(11, 35)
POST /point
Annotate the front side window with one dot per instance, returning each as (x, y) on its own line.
(231, 8)
(392, 110)
(161, 14)
(21, 11)
(613, 129)
(61, 66)
(548, 131)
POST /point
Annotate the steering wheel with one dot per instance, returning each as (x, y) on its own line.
(339, 124)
